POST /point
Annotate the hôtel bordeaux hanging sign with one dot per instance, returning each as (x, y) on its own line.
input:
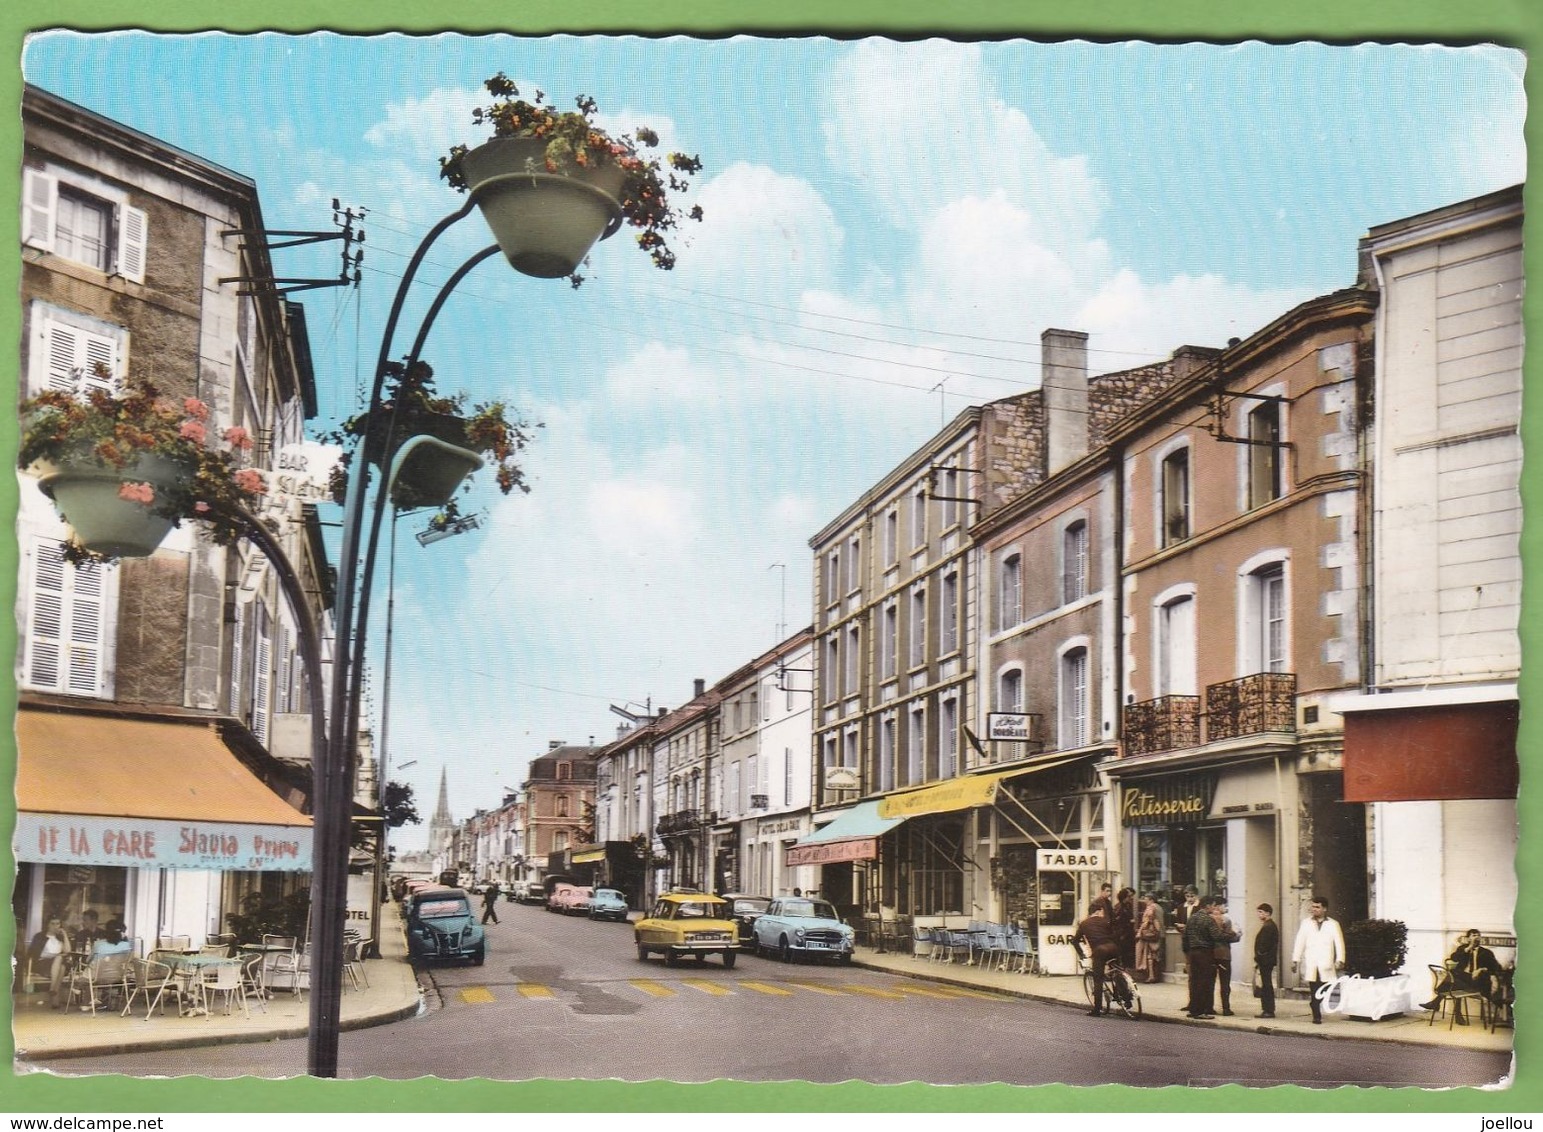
(1180, 799)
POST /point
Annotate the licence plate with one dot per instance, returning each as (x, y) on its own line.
(815, 944)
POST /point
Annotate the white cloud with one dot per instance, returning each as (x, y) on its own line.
(1128, 314)
(428, 126)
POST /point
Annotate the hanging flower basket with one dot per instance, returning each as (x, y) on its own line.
(112, 510)
(545, 223)
(551, 182)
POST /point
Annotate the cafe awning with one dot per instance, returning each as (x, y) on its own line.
(852, 836)
(147, 793)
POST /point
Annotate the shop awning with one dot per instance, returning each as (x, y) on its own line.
(959, 793)
(589, 856)
(852, 836)
(1435, 753)
(101, 790)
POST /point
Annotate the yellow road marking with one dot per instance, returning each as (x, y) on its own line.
(989, 997)
(534, 990)
(706, 986)
(648, 986)
(931, 992)
(871, 991)
(765, 988)
(476, 994)
(818, 988)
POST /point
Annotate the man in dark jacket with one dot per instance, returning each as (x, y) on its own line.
(1266, 955)
(1201, 936)
(1098, 934)
(490, 902)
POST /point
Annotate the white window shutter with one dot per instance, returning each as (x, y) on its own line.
(261, 679)
(132, 234)
(40, 202)
(73, 356)
(65, 626)
(237, 659)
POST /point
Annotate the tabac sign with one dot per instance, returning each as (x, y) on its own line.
(1070, 860)
(1183, 799)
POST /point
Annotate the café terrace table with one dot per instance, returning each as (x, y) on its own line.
(194, 965)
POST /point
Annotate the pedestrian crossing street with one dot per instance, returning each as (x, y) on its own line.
(719, 988)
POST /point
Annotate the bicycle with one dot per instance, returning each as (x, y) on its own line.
(1119, 988)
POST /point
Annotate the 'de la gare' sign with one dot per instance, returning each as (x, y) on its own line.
(157, 843)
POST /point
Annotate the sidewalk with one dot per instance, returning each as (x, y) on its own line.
(1164, 1002)
(392, 994)
(41, 1034)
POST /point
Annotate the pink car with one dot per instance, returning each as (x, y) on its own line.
(570, 899)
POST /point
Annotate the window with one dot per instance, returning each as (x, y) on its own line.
(90, 228)
(787, 776)
(1265, 633)
(854, 655)
(1176, 647)
(832, 671)
(891, 536)
(887, 754)
(736, 802)
(69, 609)
(755, 697)
(1175, 489)
(1264, 462)
(832, 577)
(849, 749)
(1074, 562)
(950, 497)
(919, 517)
(74, 353)
(1010, 690)
(1074, 699)
(854, 564)
(262, 675)
(562, 805)
(564, 771)
(950, 613)
(918, 654)
(917, 747)
(1010, 592)
(948, 739)
(890, 640)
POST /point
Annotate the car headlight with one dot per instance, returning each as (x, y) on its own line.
(798, 934)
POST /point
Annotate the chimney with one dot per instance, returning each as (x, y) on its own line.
(1063, 373)
(553, 744)
(700, 685)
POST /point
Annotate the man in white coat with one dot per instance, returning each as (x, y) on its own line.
(1319, 953)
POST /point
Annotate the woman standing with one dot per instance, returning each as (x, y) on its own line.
(1149, 942)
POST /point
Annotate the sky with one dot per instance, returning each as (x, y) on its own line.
(888, 227)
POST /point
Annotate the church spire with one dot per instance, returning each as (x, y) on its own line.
(441, 825)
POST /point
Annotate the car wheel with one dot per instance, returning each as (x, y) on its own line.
(642, 954)
(478, 956)
(671, 959)
(786, 950)
(845, 957)
(728, 959)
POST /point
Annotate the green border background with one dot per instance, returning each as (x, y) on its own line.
(1515, 23)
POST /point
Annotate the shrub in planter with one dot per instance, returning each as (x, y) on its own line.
(1375, 949)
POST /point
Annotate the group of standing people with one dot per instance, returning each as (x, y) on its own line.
(49, 951)
(1117, 928)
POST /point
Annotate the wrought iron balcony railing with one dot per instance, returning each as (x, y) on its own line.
(1265, 701)
(678, 822)
(1167, 723)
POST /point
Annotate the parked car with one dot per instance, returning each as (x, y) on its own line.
(744, 911)
(688, 923)
(608, 904)
(441, 924)
(800, 925)
(569, 898)
(529, 892)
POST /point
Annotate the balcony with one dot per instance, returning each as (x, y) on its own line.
(684, 821)
(1167, 723)
(1263, 702)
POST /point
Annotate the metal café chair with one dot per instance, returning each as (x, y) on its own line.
(252, 979)
(222, 979)
(104, 975)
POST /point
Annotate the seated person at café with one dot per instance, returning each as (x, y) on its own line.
(88, 931)
(1470, 967)
(112, 941)
(46, 953)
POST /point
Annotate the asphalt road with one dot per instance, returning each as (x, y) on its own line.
(561, 997)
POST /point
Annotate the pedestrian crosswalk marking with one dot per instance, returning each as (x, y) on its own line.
(857, 988)
(534, 990)
(648, 986)
(475, 995)
(818, 989)
(765, 988)
(707, 986)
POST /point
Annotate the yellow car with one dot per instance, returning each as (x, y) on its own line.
(688, 923)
